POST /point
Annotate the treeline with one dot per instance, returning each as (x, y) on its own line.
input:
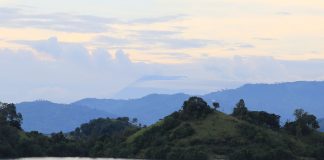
(304, 123)
(300, 137)
(195, 132)
(89, 140)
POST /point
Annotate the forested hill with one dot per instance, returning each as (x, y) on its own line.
(281, 98)
(195, 132)
(199, 132)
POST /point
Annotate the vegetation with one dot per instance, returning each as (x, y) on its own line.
(259, 118)
(246, 135)
(90, 140)
(195, 132)
(304, 123)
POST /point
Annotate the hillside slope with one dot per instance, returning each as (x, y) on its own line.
(215, 135)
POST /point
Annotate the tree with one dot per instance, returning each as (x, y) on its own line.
(240, 110)
(194, 108)
(8, 115)
(299, 113)
(304, 123)
(134, 120)
(124, 119)
(58, 137)
(216, 105)
(264, 119)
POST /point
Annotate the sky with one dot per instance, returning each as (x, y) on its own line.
(67, 50)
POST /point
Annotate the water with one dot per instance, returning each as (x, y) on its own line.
(71, 158)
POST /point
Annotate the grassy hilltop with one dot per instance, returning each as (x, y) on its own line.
(215, 135)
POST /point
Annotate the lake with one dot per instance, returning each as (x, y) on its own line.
(71, 158)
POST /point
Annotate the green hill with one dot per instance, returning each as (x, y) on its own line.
(215, 135)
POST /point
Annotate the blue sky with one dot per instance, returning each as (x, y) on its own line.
(67, 50)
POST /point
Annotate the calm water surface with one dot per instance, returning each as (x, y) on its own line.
(71, 158)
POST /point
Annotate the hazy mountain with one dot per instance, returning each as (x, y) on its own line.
(48, 117)
(148, 109)
(131, 92)
(281, 98)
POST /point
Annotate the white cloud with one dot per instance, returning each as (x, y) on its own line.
(67, 22)
(157, 19)
(50, 46)
(101, 56)
(111, 41)
(78, 72)
(55, 21)
(122, 57)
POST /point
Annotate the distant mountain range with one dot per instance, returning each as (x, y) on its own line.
(281, 98)
(48, 117)
(148, 109)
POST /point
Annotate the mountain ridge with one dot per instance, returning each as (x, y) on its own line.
(279, 98)
(48, 117)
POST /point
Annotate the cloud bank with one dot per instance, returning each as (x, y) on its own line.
(72, 71)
